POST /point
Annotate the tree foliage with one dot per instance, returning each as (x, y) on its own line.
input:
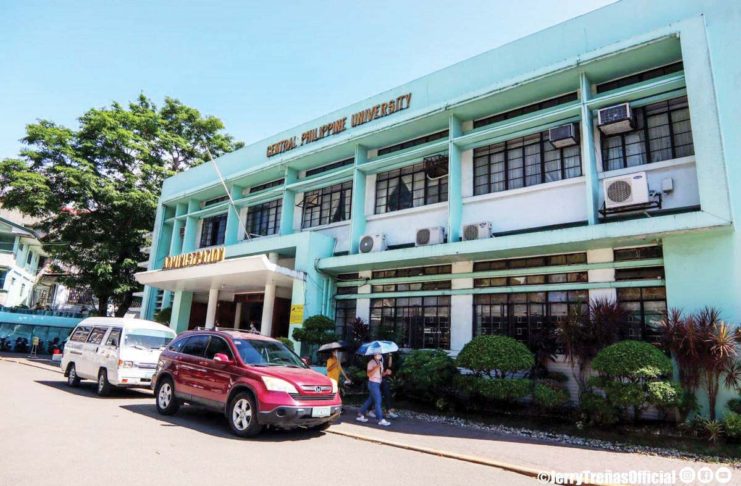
(500, 354)
(316, 330)
(95, 188)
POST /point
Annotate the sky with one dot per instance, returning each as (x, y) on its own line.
(260, 66)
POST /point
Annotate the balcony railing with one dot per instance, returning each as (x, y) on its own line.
(39, 312)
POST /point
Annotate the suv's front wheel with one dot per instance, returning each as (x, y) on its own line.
(164, 394)
(242, 415)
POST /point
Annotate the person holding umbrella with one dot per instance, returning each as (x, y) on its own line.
(374, 371)
(334, 367)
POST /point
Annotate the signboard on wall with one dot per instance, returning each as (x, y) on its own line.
(200, 257)
(297, 314)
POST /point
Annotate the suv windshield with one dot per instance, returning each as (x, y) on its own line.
(147, 339)
(267, 353)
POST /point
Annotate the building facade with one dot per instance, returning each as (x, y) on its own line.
(595, 159)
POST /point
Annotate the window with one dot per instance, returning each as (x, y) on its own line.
(531, 262)
(177, 345)
(413, 143)
(80, 334)
(96, 336)
(114, 338)
(412, 272)
(2, 279)
(195, 345)
(541, 105)
(218, 345)
(328, 167)
(267, 185)
(637, 253)
(213, 231)
(345, 310)
(266, 353)
(327, 205)
(148, 338)
(7, 242)
(414, 322)
(637, 78)
(521, 162)
(264, 219)
(29, 258)
(662, 132)
(409, 187)
(646, 307)
(215, 201)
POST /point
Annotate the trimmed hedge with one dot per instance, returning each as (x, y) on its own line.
(426, 374)
(499, 354)
(732, 425)
(493, 389)
(632, 361)
(549, 397)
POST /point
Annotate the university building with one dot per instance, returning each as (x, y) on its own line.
(598, 158)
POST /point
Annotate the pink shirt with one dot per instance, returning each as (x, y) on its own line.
(376, 375)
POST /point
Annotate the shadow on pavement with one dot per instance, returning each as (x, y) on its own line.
(214, 423)
(88, 389)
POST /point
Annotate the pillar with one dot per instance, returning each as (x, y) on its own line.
(289, 203)
(231, 235)
(357, 219)
(237, 314)
(213, 301)
(268, 304)
(602, 255)
(461, 309)
(181, 304)
(588, 156)
(455, 181)
(191, 228)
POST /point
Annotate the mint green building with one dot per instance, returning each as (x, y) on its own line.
(596, 158)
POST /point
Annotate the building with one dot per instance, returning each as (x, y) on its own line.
(596, 158)
(21, 261)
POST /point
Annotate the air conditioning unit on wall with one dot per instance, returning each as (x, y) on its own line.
(372, 243)
(477, 231)
(430, 236)
(615, 119)
(627, 190)
(564, 135)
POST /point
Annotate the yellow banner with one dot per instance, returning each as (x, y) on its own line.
(297, 314)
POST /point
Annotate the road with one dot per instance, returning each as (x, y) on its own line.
(53, 434)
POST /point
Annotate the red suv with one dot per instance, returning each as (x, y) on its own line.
(254, 380)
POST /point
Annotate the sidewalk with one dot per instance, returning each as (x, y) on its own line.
(527, 454)
(43, 362)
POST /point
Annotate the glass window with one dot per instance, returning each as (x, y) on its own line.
(541, 105)
(80, 334)
(662, 132)
(328, 167)
(327, 205)
(218, 345)
(114, 338)
(213, 230)
(264, 219)
(646, 307)
(413, 143)
(521, 162)
(195, 345)
(96, 336)
(409, 187)
(177, 345)
(257, 352)
(417, 322)
(148, 338)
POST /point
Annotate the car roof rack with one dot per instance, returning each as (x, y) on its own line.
(219, 328)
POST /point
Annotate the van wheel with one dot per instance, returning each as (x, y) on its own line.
(164, 395)
(104, 386)
(242, 415)
(72, 378)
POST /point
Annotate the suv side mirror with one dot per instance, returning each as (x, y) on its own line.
(305, 360)
(221, 357)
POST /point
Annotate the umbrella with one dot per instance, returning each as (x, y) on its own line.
(330, 346)
(378, 347)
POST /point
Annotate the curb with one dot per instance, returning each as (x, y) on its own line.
(32, 365)
(525, 471)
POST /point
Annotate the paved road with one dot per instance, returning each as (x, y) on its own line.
(52, 434)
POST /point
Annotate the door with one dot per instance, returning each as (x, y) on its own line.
(74, 346)
(108, 354)
(90, 364)
(218, 375)
(190, 367)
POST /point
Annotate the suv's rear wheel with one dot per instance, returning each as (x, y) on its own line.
(72, 378)
(164, 394)
(104, 386)
(242, 415)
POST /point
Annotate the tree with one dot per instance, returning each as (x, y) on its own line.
(95, 189)
(316, 330)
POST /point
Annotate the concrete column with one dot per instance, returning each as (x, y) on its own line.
(588, 154)
(601, 255)
(181, 304)
(213, 301)
(362, 306)
(289, 204)
(455, 181)
(461, 309)
(268, 304)
(237, 314)
(357, 219)
(231, 235)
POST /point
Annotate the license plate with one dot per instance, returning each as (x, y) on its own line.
(321, 411)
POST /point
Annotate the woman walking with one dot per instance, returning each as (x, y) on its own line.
(375, 376)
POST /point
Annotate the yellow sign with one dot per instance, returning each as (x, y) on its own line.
(297, 314)
(35, 341)
(200, 257)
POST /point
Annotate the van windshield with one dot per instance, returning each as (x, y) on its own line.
(267, 353)
(148, 339)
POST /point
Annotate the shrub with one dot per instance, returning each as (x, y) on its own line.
(734, 405)
(500, 354)
(548, 397)
(163, 316)
(632, 361)
(492, 389)
(665, 394)
(597, 410)
(316, 330)
(426, 375)
(732, 425)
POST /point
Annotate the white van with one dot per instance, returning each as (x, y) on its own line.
(116, 352)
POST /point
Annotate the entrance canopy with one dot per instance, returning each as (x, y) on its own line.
(234, 275)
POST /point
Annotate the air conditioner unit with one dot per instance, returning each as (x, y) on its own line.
(372, 243)
(430, 236)
(615, 119)
(477, 231)
(626, 190)
(564, 135)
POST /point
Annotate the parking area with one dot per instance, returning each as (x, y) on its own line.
(50, 433)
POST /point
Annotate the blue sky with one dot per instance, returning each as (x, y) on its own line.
(261, 66)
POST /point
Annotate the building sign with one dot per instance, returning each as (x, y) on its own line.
(297, 314)
(338, 126)
(200, 257)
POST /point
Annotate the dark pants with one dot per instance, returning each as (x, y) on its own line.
(386, 392)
